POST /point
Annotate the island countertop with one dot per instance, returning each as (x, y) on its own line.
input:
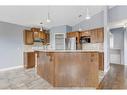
(69, 51)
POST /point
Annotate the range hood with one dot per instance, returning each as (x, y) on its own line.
(38, 40)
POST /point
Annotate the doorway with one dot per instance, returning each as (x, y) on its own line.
(117, 45)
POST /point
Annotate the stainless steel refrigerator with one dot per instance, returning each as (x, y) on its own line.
(70, 43)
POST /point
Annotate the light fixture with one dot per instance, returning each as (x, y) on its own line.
(125, 25)
(87, 15)
(48, 20)
(41, 28)
(79, 28)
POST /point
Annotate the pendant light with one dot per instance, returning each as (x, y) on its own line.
(79, 28)
(41, 28)
(48, 20)
(87, 15)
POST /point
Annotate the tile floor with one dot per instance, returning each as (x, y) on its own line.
(26, 79)
(22, 79)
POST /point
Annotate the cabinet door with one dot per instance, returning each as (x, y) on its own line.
(77, 69)
(28, 37)
(93, 35)
(29, 60)
(47, 38)
(72, 34)
(45, 66)
(100, 35)
(85, 33)
(101, 61)
(42, 35)
(35, 32)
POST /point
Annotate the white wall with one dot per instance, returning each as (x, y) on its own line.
(95, 21)
(106, 41)
(117, 18)
(118, 38)
(118, 43)
(125, 46)
(117, 13)
(11, 45)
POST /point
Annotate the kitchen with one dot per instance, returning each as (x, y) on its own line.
(53, 50)
(84, 46)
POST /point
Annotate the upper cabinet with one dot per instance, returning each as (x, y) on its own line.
(85, 33)
(100, 35)
(72, 34)
(94, 38)
(96, 35)
(28, 37)
(38, 34)
(35, 35)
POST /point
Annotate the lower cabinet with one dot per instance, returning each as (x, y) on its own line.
(101, 61)
(77, 69)
(29, 60)
(64, 69)
(45, 66)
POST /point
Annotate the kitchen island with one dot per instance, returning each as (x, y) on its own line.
(63, 68)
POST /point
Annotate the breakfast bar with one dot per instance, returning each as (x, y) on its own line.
(69, 68)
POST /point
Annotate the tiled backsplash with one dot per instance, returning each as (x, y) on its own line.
(93, 47)
(87, 47)
(36, 46)
(28, 48)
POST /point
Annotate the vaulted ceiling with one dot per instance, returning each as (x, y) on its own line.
(33, 15)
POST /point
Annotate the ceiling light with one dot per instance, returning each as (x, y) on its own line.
(48, 20)
(80, 29)
(48, 17)
(125, 25)
(87, 15)
(41, 28)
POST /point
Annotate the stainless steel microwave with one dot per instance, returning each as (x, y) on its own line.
(85, 39)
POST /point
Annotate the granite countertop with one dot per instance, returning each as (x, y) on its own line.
(68, 50)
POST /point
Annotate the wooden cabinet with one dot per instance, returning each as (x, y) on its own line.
(101, 61)
(100, 35)
(42, 35)
(73, 34)
(29, 60)
(33, 34)
(85, 33)
(96, 35)
(45, 67)
(93, 34)
(79, 69)
(47, 35)
(38, 33)
(28, 37)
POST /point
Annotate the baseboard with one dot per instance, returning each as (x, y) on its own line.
(11, 68)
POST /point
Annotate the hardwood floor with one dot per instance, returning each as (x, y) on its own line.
(116, 78)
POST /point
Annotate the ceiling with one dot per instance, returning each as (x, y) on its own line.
(33, 15)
